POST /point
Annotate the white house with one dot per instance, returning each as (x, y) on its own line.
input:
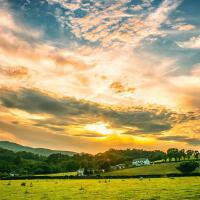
(80, 172)
(140, 162)
(13, 174)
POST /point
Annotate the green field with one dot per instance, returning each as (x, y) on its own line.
(127, 189)
(60, 174)
(163, 168)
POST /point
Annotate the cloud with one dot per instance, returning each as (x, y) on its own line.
(188, 89)
(196, 70)
(14, 72)
(38, 137)
(119, 88)
(137, 8)
(9, 23)
(108, 53)
(64, 61)
(191, 141)
(69, 111)
(34, 101)
(184, 27)
(77, 71)
(111, 24)
(192, 43)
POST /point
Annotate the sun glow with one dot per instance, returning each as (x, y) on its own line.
(100, 127)
(25, 115)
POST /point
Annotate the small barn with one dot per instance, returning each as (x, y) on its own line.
(119, 166)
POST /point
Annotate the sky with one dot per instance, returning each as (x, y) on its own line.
(90, 75)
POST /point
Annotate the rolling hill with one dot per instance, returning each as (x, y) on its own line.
(41, 151)
(156, 169)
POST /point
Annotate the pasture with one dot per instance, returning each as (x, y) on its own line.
(60, 174)
(115, 189)
(156, 169)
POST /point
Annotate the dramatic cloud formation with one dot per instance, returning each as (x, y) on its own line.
(91, 75)
(65, 114)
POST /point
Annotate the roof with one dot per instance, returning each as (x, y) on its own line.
(140, 159)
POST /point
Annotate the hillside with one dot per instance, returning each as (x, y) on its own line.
(156, 169)
(40, 151)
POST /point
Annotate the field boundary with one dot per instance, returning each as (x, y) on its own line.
(99, 177)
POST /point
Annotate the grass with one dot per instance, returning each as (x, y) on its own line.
(162, 168)
(127, 189)
(60, 174)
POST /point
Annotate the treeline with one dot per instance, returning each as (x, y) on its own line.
(177, 155)
(24, 163)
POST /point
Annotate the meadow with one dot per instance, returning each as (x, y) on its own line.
(115, 189)
(60, 174)
(155, 169)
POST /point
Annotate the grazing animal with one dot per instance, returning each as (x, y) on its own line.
(23, 184)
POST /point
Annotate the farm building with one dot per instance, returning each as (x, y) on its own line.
(80, 172)
(140, 162)
(119, 166)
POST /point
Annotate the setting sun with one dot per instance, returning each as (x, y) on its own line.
(99, 127)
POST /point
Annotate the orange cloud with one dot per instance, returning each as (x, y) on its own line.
(119, 88)
(185, 27)
(14, 72)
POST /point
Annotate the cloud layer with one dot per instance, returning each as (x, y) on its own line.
(63, 115)
(72, 71)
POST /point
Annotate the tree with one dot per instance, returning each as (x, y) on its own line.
(188, 167)
(183, 154)
(172, 153)
(196, 155)
(165, 157)
(18, 160)
(71, 165)
(57, 158)
(189, 153)
(179, 155)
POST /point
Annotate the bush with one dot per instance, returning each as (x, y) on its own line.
(187, 167)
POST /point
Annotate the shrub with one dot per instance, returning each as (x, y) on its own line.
(187, 167)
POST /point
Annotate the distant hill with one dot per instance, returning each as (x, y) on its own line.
(41, 151)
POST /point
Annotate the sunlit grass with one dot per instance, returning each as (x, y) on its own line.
(135, 189)
(60, 174)
(156, 169)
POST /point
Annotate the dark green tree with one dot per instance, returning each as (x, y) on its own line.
(183, 154)
(196, 155)
(172, 153)
(18, 160)
(165, 157)
(188, 167)
(189, 153)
